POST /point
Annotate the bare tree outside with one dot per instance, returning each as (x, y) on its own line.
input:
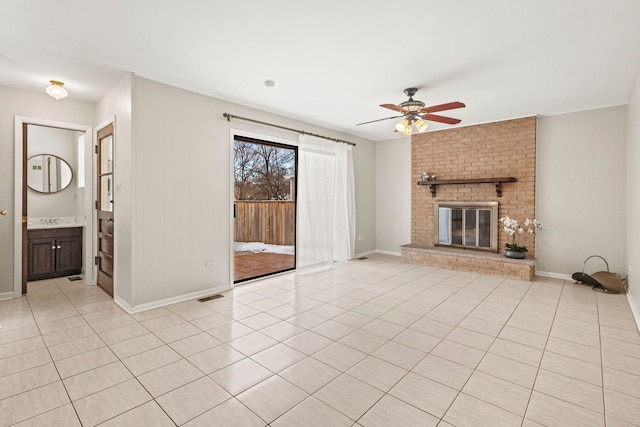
(260, 171)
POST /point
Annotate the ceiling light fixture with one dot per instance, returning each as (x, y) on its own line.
(56, 89)
(421, 125)
(405, 126)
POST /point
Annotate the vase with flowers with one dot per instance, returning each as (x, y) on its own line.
(514, 228)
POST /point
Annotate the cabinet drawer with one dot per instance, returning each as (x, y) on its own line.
(54, 233)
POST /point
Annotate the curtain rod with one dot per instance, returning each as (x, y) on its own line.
(231, 116)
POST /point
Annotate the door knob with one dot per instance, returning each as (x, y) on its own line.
(109, 219)
(3, 212)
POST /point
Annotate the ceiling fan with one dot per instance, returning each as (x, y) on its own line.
(414, 113)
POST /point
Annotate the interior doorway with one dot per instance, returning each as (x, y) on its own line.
(52, 164)
(264, 209)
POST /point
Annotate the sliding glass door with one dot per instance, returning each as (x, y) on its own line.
(264, 208)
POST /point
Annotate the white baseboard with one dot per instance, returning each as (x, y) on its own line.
(168, 301)
(376, 251)
(382, 251)
(7, 295)
(361, 254)
(553, 275)
(634, 309)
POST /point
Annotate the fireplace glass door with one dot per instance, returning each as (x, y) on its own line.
(468, 227)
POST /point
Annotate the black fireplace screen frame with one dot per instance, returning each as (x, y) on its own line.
(464, 223)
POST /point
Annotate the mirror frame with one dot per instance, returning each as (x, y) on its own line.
(50, 192)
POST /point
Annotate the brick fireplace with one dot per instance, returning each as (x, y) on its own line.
(479, 152)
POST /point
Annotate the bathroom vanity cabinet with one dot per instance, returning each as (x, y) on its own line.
(54, 252)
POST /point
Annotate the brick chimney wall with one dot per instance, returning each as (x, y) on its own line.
(493, 150)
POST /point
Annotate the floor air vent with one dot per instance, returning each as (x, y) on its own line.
(74, 278)
(362, 258)
(210, 297)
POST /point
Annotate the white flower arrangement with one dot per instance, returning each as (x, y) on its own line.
(512, 227)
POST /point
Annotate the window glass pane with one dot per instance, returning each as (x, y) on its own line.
(470, 228)
(106, 155)
(484, 222)
(444, 216)
(106, 193)
(456, 226)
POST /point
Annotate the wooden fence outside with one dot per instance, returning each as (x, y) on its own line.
(270, 222)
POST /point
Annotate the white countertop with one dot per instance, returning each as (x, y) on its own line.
(62, 225)
(61, 222)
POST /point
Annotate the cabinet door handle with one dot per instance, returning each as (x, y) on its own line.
(58, 247)
(53, 247)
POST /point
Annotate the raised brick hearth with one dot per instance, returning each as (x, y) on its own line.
(470, 260)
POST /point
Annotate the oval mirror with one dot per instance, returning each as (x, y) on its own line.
(47, 173)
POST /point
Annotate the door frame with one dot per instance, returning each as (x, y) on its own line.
(19, 158)
(232, 133)
(98, 198)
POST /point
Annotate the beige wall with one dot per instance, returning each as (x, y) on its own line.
(581, 190)
(31, 104)
(393, 194)
(117, 106)
(181, 190)
(580, 166)
(633, 198)
(172, 174)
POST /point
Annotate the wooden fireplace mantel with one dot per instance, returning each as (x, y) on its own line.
(496, 181)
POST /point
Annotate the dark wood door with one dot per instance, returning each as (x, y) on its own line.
(105, 208)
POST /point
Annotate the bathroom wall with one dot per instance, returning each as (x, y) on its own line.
(61, 143)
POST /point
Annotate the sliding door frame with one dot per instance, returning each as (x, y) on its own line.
(266, 138)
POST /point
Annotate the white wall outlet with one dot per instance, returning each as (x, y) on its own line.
(209, 264)
(360, 237)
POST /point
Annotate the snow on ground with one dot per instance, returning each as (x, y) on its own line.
(262, 247)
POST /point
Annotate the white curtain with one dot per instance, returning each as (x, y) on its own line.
(326, 202)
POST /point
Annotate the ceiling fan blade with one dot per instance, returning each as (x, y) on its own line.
(394, 108)
(441, 119)
(379, 120)
(442, 107)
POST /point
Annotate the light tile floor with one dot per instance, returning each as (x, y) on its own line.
(369, 343)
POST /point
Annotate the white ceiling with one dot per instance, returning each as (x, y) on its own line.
(335, 61)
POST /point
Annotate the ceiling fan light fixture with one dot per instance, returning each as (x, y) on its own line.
(404, 127)
(420, 125)
(412, 105)
(56, 89)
